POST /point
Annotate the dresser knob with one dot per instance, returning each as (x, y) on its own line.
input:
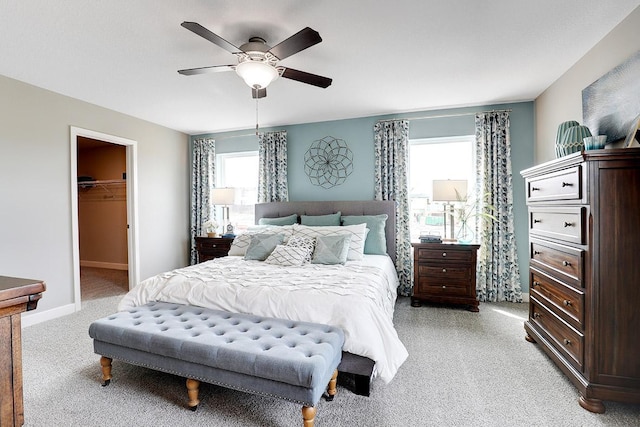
(535, 283)
(535, 189)
(568, 224)
(566, 263)
(537, 252)
(444, 254)
(213, 246)
(443, 286)
(566, 302)
(567, 184)
(567, 342)
(444, 270)
(535, 221)
(536, 315)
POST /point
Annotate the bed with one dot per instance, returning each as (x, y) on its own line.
(358, 297)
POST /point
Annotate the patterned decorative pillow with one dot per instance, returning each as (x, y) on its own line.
(241, 241)
(358, 234)
(262, 245)
(286, 255)
(331, 249)
(307, 243)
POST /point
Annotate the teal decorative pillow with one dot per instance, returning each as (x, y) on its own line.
(262, 245)
(331, 219)
(287, 256)
(283, 220)
(331, 249)
(376, 242)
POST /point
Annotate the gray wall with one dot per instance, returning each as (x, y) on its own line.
(358, 134)
(35, 187)
(562, 101)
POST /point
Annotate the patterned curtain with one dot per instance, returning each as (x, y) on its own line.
(498, 277)
(391, 183)
(272, 176)
(203, 179)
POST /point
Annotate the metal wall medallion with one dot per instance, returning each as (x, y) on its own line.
(328, 162)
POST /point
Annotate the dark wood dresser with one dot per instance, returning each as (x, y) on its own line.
(444, 273)
(16, 296)
(584, 270)
(212, 247)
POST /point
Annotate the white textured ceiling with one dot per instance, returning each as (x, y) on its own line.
(384, 57)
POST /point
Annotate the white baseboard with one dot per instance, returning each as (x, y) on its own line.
(100, 264)
(525, 297)
(29, 319)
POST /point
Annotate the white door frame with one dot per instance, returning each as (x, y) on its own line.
(132, 205)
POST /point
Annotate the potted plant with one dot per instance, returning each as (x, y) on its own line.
(469, 208)
(210, 227)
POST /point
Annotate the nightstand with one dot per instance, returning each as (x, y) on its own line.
(445, 273)
(212, 247)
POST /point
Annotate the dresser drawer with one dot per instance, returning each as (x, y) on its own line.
(443, 255)
(562, 335)
(428, 286)
(564, 261)
(568, 224)
(565, 184)
(565, 300)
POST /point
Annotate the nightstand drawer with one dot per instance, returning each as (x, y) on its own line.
(209, 248)
(561, 185)
(443, 254)
(445, 273)
(429, 287)
(565, 300)
(563, 336)
(552, 257)
(568, 224)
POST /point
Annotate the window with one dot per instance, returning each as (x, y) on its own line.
(433, 159)
(239, 171)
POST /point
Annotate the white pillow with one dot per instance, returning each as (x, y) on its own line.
(309, 244)
(287, 256)
(358, 234)
(241, 241)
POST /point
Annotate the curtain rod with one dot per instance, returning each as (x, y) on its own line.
(441, 116)
(244, 134)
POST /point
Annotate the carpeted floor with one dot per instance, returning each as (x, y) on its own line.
(464, 369)
(102, 282)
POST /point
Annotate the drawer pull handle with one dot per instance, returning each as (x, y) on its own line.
(536, 315)
(214, 246)
(537, 252)
(443, 286)
(535, 283)
(535, 189)
(567, 341)
(566, 263)
(567, 184)
(566, 302)
(535, 221)
(444, 254)
(568, 224)
(444, 270)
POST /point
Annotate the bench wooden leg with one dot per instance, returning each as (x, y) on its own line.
(308, 415)
(105, 362)
(192, 391)
(331, 389)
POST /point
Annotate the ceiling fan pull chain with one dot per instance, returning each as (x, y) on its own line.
(256, 116)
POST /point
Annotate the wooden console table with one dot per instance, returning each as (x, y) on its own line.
(16, 296)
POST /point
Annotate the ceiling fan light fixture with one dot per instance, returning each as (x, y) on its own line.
(257, 74)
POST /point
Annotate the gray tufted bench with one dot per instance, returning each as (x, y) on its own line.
(273, 357)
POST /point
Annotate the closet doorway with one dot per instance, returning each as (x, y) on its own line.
(103, 215)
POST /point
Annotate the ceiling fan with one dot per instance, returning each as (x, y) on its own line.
(258, 62)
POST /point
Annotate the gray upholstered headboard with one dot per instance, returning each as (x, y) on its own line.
(362, 207)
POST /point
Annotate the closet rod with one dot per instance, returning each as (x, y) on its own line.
(441, 116)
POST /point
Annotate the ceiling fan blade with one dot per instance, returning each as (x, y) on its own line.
(258, 93)
(308, 78)
(205, 70)
(213, 38)
(299, 41)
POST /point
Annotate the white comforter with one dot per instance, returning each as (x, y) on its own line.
(358, 297)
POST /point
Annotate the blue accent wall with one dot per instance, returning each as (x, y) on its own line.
(358, 134)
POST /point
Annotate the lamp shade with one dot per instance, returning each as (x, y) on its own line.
(257, 74)
(449, 190)
(223, 196)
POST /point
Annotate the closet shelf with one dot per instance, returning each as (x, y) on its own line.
(102, 190)
(101, 183)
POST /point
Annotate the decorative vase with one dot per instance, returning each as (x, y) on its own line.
(465, 233)
(573, 140)
(562, 128)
